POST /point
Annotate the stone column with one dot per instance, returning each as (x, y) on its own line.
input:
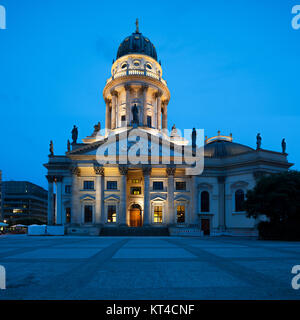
(50, 199)
(75, 209)
(99, 208)
(158, 103)
(165, 116)
(107, 116)
(144, 92)
(123, 203)
(171, 211)
(114, 94)
(59, 205)
(128, 91)
(147, 172)
(221, 185)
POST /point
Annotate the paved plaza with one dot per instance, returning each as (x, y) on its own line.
(147, 268)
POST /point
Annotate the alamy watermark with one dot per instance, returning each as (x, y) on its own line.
(2, 278)
(2, 17)
(296, 279)
(136, 147)
(296, 19)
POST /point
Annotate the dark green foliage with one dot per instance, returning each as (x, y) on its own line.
(278, 197)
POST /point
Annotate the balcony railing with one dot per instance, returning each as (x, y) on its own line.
(136, 72)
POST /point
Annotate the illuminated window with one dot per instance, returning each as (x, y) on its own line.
(180, 214)
(17, 211)
(158, 214)
(239, 200)
(135, 180)
(111, 214)
(136, 190)
(111, 185)
(204, 201)
(158, 185)
(88, 214)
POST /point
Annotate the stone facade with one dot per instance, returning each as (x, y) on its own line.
(92, 195)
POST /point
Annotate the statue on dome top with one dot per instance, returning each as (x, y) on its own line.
(258, 141)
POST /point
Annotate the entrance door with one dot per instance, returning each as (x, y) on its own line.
(205, 226)
(135, 216)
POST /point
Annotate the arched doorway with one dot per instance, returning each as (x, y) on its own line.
(135, 217)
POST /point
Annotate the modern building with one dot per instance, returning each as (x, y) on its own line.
(23, 200)
(98, 187)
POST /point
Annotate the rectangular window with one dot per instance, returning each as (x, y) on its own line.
(180, 185)
(67, 189)
(111, 185)
(88, 214)
(111, 214)
(157, 214)
(158, 185)
(135, 190)
(88, 185)
(180, 214)
(149, 121)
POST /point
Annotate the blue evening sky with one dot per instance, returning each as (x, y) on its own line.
(230, 65)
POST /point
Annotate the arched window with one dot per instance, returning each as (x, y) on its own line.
(239, 200)
(204, 201)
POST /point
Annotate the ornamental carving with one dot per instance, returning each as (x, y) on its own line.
(123, 170)
(99, 170)
(75, 171)
(171, 171)
(146, 171)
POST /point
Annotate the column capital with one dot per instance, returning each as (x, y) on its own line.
(123, 170)
(165, 102)
(107, 100)
(147, 171)
(114, 93)
(144, 87)
(158, 94)
(170, 171)
(99, 170)
(50, 178)
(128, 87)
(75, 171)
(221, 179)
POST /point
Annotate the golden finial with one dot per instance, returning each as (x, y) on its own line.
(137, 25)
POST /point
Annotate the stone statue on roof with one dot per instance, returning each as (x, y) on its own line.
(97, 128)
(51, 148)
(283, 145)
(258, 141)
(74, 134)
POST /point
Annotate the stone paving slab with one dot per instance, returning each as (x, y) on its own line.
(152, 253)
(56, 254)
(75, 267)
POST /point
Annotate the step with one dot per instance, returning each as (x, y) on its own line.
(134, 231)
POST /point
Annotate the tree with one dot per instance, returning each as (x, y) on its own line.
(276, 196)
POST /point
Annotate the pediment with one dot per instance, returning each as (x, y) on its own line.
(87, 197)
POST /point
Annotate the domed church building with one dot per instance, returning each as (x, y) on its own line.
(134, 177)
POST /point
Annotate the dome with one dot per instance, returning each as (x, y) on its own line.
(137, 43)
(222, 149)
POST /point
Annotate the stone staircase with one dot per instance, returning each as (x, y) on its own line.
(134, 231)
